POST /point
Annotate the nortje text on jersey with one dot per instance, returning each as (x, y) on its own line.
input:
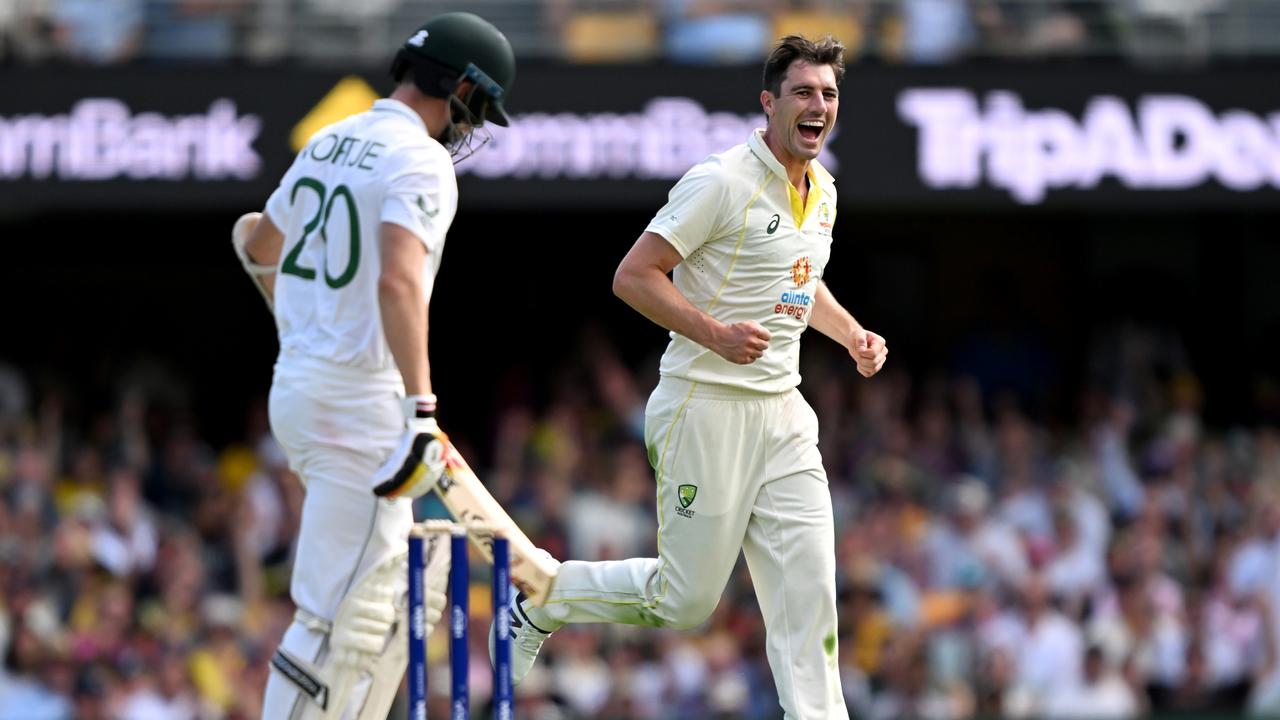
(347, 151)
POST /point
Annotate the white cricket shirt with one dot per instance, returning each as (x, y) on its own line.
(752, 251)
(378, 166)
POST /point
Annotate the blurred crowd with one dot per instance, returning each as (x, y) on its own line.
(683, 31)
(992, 559)
(142, 573)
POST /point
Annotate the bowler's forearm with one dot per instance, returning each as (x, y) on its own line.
(831, 319)
(651, 293)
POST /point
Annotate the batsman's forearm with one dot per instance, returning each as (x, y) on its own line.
(404, 322)
(268, 283)
(257, 242)
(831, 319)
(651, 293)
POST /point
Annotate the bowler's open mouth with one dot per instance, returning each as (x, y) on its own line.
(811, 129)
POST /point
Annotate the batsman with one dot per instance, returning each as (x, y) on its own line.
(346, 253)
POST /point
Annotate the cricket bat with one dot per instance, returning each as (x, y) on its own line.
(467, 499)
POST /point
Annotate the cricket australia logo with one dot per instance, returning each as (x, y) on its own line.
(824, 219)
(419, 38)
(686, 493)
(801, 270)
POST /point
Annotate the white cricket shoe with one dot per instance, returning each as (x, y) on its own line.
(527, 635)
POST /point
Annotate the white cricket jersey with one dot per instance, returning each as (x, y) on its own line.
(752, 251)
(375, 167)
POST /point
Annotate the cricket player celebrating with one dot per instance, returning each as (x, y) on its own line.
(733, 443)
(347, 251)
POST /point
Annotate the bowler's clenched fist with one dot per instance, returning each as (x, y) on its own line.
(869, 351)
(742, 343)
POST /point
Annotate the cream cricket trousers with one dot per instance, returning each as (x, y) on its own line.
(336, 428)
(734, 470)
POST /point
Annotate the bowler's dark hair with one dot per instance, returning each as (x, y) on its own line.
(827, 51)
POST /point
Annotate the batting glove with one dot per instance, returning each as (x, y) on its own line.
(240, 236)
(418, 461)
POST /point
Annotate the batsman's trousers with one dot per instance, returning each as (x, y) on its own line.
(337, 427)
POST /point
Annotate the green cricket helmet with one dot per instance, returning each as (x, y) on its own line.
(458, 46)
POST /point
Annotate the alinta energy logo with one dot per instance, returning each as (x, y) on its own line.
(103, 138)
(795, 303)
(801, 270)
